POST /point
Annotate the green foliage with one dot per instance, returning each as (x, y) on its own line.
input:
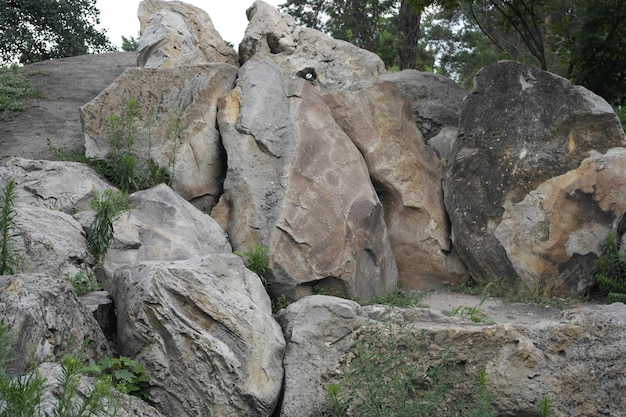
(19, 396)
(93, 404)
(34, 31)
(621, 113)
(475, 313)
(610, 268)
(546, 409)
(9, 258)
(125, 373)
(129, 44)
(255, 259)
(107, 205)
(386, 375)
(280, 303)
(398, 298)
(15, 91)
(84, 283)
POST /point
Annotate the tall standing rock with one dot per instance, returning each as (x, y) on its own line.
(306, 53)
(175, 34)
(519, 127)
(407, 175)
(297, 184)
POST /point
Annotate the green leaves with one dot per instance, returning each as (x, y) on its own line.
(9, 258)
(610, 268)
(128, 375)
(255, 259)
(107, 205)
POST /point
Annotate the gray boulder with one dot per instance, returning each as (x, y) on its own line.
(408, 176)
(519, 128)
(176, 34)
(65, 186)
(46, 321)
(300, 52)
(435, 104)
(204, 330)
(162, 226)
(296, 184)
(318, 330)
(175, 124)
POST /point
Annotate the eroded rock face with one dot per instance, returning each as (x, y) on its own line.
(204, 330)
(318, 331)
(57, 185)
(175, 123)
(407, 175)
(577, 359)
(162, 226)
(46, 321)
(305, 53)
(298, 185)
(558, 228)
(519, 127)
(176, 34)
(435, 104)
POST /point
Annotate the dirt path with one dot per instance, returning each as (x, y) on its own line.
(67, 84)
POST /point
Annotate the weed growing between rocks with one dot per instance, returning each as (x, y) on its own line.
(15, 91)
(610, 269)
(475, 313)
(385, 374)
(107, 205)
(84, 283)
(255, 259)
(9, 258)
(126, 374)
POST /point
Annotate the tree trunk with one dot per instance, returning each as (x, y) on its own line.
(408, 36)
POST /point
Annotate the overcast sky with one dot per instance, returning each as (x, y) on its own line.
(119, 17)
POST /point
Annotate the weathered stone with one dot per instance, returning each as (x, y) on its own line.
(435, 100)
(519, 127)
(100, 304)
(57, 185)
(298, 185)
(176, 34)
(175, 126)
(162, 226)
(557, 229)
(300, 52)
(46, 321)
(408, 175)
(318, 330)
(204, 330)
(117, 404)
(576, 359)
(49, 242)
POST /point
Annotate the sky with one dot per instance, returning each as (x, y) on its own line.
(119, 17)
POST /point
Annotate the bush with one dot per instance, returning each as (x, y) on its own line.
(9, 258)
(255, 259)
(107, 206)
(610, 268)
(129, 376)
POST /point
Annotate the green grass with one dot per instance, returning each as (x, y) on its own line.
(15, 92)
(389, 373)
(256, 260)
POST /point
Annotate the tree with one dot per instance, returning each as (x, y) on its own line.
(129, 44)
(35, 30)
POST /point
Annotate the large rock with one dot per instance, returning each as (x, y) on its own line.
(519, 127)
(306, 53)
(175, 125)
(577, 359)
(318, 330)
(57, 185)
(176, 34)
(298, 185)
(407, 175)
(46, 321)
(49, 242)
(204, 330)
(435, 104)
(557, 229)
(162, 226)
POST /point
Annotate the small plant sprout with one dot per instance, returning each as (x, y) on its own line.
(475, 313)
(255, 259)
(546, 408)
